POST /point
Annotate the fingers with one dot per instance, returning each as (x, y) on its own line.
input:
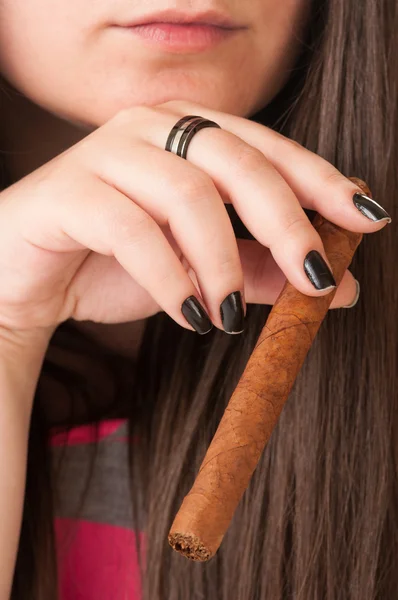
(317, 184)
(270, 210)
(186, 199)
(264, 280)
(265, 203)
(354, 296)
(109, 223)
(132, 205)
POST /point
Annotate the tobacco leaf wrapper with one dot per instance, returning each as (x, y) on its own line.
(255, 406)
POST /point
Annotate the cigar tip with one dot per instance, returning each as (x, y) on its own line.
(362, 185)
(189, 546)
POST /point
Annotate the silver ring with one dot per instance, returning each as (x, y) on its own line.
(183, 131)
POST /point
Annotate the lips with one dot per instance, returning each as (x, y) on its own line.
(210, 17)
(178, 38)
(182, 32)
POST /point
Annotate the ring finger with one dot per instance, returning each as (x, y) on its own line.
(264, 201)
(184, 198)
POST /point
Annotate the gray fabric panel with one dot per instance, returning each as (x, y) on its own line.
(104, 467)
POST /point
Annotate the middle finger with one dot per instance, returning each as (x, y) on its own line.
(264, 202)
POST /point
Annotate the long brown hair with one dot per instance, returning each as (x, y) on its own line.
(320, 517)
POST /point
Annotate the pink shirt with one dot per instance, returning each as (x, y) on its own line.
(96, 544)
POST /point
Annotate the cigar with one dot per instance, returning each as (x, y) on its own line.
(255, 406)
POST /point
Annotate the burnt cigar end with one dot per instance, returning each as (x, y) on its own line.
(189, 546)
(256, 403)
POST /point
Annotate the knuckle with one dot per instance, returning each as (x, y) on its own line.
(228, 263)
(285, 144)
(133, 229)
(292, 144)
(195, 187)
(60, 173)
(132, 114)
(333, 177)
(293, 222)
(284, 149)
(168, 278)
(180, 107)
(249, 159)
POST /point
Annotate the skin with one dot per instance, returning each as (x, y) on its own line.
(93, 70)
(65, 71)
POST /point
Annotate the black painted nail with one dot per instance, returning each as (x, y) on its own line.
(196, 315)
(371, 209)
(318, 271)
(232, 313)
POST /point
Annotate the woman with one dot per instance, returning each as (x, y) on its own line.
(104, 236)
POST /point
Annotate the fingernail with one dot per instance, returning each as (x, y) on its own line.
(371, 209)
(196, 315)
(318, 271)
(353, 303)
(232, 313)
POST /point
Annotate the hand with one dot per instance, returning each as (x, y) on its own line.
(111, 229)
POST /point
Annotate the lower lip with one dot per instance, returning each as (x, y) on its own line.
(179, 38)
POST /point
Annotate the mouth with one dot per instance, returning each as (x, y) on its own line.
(178, 38)
(177, 32)
(210, 18)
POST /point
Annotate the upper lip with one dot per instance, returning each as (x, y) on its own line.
(210, 17)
